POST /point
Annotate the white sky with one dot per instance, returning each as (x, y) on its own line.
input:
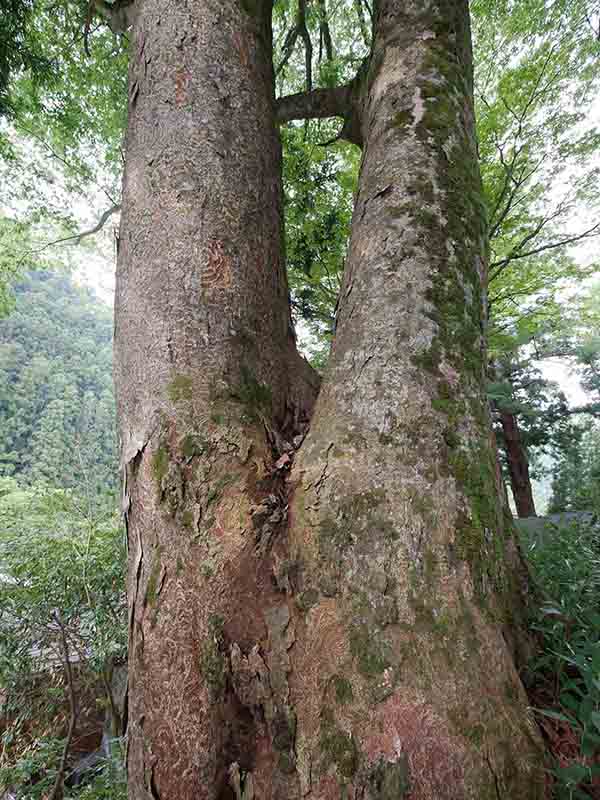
(559, 370)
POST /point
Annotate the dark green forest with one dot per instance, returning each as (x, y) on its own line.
(57, 411)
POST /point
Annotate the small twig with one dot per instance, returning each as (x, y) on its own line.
(77, 237)
(516, 254)
(591, 24)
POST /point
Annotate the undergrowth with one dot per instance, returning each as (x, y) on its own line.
(32, 775)
(565, 565)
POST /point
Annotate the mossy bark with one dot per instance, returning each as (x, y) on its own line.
(397, 521)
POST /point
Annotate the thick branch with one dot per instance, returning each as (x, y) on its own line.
(341, 101)
(319, 104)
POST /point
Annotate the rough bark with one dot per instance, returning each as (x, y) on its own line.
(518, 465)
(340, 635)
(403, 681)
(209, 386)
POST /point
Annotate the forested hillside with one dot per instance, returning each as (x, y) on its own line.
(61, 543)
(57, 414)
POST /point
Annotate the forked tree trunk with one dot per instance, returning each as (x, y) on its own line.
(518, 465)
(351, 645)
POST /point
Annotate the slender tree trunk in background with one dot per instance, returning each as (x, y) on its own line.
(406, 577)
(205, 363)
(518, 465)
(341, 635)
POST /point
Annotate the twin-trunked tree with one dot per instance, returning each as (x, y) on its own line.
(346, 628)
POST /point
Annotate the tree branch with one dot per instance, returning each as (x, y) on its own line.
(288, 49)
(319, 104)
(77, 237)
(358, 5)
(324, 29)
(299, 29)
(114, 209)
(515, 254)
(305, 36)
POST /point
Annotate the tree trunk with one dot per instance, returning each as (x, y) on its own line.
(406, 576)
(518, 465)
(205, 369)
(341, 635)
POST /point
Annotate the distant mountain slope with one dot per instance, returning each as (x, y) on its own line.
(57, 413)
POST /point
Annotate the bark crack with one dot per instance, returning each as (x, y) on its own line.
(364, 364)
(241, 782)
(496, 784)
(137, 573)
(153, 788)
(323, 475)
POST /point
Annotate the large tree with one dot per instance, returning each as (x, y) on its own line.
(330, 611)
